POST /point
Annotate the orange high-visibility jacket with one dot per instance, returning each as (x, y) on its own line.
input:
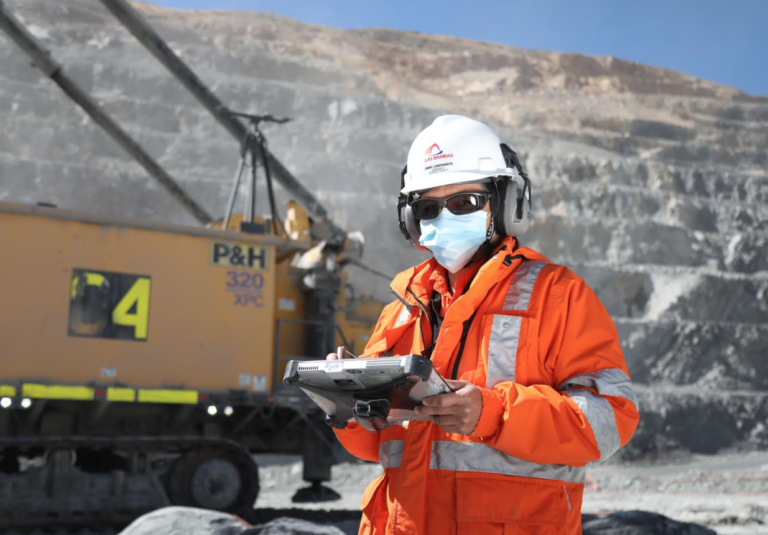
(556, 395)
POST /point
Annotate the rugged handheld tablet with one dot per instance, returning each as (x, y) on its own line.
(375, 392)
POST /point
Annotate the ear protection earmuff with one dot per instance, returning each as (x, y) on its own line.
(408, 224)
(513, 216)
(510, 206)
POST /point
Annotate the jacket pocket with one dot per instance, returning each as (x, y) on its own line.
(497, 500)
(374, 507)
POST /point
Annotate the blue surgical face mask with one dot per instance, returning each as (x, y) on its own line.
(454, 239)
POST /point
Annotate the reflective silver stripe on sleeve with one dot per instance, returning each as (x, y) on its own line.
(599, 414)
(477, 457)
(391, 453)
(608, 382)
(521, 288)
(502, 349)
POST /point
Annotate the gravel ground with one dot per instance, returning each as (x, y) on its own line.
(280, 478)
(726, 492)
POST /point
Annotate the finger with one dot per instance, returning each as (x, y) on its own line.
(457, 428)
(423, 410)
(331, 356)
(442, 400)
(463, 388)
(456, 385)
(448, 420)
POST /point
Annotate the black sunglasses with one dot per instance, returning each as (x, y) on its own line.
(459, 204)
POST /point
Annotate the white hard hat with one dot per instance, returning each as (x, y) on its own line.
(453, 150)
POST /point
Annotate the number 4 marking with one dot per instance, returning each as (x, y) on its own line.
(139, 319)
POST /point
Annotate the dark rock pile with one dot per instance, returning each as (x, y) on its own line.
(201, 522)
(639, 523)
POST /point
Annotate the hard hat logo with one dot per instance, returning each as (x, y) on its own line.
(431, 150)
(434, 153)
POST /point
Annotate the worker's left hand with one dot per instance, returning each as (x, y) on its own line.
(456, 412)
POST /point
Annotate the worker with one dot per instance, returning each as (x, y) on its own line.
(540, 384)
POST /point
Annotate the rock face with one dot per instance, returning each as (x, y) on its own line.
(651, 184)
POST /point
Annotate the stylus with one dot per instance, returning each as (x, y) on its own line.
(340, 353)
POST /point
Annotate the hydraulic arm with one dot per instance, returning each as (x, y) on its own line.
(322, 226)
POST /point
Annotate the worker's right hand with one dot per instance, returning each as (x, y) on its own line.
(332, 356)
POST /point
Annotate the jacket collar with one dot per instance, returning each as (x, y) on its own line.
(414, 283)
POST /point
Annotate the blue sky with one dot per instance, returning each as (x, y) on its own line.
(724, 41)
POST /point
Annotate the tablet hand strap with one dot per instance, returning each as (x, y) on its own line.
(372, 414)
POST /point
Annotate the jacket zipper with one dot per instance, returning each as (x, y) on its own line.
(427, 349)
(422, 306)
(462, 342)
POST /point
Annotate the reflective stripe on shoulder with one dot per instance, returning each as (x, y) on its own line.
(608, 382)
(502, 349)
(505, 330)
(7, 391)
(477, 457)
(521, 288)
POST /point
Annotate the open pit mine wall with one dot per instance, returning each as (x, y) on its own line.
(651, 184)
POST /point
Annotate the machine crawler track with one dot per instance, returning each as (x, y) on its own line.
(103, 483)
